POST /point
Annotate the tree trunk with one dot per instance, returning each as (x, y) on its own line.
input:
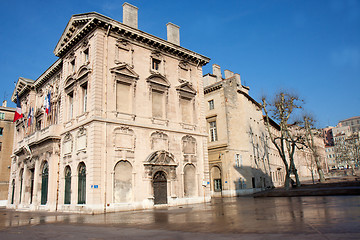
(319, 169)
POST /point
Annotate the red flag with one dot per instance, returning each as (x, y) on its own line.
(18, 113)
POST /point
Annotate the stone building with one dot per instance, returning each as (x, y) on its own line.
(6, 143)
(125, 128)
(242, 159)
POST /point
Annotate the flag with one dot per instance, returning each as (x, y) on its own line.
(47, 103)
(18, 113)
(30, 116)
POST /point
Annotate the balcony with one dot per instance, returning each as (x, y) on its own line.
(50, 132)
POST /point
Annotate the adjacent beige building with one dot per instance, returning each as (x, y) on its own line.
(6, 143)
(126, 127)
(242, 159)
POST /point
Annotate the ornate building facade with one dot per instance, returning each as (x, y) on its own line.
(124, 128)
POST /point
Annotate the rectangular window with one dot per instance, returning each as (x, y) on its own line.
(71, 104)
(2, 116)
(238, 160)
(123, 97)
(157, 104)
(1, 131)
(186, 110)
(38, 124)
(86, 55)
(213, 131)
(211, 104)
(0, 146)
(155, 65)
(217, 185)
(84, 95)
(72, 65)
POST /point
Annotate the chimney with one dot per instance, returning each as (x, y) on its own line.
(173, 33)
(130, 15)
(228, 74)
(217, 72)
(238, 79)
(4, 103)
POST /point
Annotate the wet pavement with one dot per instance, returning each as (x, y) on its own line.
(324, 217)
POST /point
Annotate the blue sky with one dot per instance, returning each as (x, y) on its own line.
(308, 47)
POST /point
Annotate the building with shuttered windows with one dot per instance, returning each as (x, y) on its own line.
(117, 122)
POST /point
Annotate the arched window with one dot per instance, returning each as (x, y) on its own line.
(189, 181)
(44, 183)
(82, 184)
(123, 182)
(67, 198)
(21, 182)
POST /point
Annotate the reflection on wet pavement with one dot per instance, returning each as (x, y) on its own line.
(232, 215)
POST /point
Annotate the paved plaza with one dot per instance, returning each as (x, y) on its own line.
(325, 217)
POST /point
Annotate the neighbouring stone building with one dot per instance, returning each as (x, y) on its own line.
(126, 126)
(242, 158)
(6, 143)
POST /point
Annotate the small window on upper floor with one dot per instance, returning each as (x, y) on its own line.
(86, 55)
(213, 131)
(211, 104)
(38, 124)
(2, 116)
(1, 131)
(155, 64)
(72, 65)
(84, 91)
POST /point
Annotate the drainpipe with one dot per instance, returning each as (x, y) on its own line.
(105, 73)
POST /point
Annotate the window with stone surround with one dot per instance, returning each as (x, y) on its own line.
(70, 105)
(123, 100)
(2, 116)
(158, 104)
(84, 92)
(1, 131)
(213, 131)
(211, 104)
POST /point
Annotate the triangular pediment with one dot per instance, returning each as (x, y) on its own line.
(75, 30)
(22, 85)
(158, 79)
(124, 70)
(186, 88)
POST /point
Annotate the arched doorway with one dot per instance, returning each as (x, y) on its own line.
(13, 191)
(82, 184)
(44, 183)
(160, 188)
(216, 178)
(67, 198)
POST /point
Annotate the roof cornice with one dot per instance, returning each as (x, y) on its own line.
(95, 20)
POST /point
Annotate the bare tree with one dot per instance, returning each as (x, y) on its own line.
(287, 140)
(310, 134)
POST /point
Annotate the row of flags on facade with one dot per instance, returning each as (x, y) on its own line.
(30, 117)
